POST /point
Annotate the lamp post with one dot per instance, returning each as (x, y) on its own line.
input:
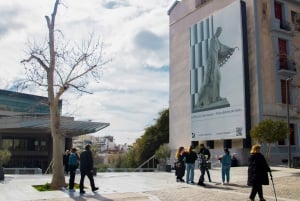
(288, 118)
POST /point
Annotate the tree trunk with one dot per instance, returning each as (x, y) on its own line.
(268, 152)
(58, 177)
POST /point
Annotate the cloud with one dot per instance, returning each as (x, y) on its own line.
(8, 20)
(148, 40)
(134, 86)
(114, 4)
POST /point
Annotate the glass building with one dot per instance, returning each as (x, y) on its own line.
(25, 129)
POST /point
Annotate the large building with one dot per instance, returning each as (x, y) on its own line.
(25, 129)
(232, 64)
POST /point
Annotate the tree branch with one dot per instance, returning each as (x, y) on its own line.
(39, 60)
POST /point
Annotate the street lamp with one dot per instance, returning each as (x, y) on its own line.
(287, 94)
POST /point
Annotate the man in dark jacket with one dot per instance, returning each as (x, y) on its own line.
(204, 155)
(86, 168)
(190, 158)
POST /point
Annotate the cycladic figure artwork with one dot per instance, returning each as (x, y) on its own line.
(209, 93)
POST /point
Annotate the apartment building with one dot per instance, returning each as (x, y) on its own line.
(232, 64)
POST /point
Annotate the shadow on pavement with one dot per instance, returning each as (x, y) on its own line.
(84, 197)
(224, 186)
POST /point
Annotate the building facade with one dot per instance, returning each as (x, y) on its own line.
(232, 64)
(25, 129)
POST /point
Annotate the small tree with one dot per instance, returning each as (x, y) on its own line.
(4, 157)
(269, 131)
(163, 152)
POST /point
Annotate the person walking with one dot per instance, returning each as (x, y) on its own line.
(258, 169)
(73, 163)
(226, 164)
(202, 166)
(86, 169)
(179, 164)
(191, 157)
(206, 154)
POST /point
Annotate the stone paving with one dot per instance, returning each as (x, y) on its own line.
(154, 186)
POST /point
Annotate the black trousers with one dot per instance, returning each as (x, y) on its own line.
(208, 174)
(89, 174)
(72, 170)
(256, 188)
(202, 173)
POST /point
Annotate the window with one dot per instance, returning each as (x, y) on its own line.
(19, 144)
(278, 10)
(227, 144)
(7, 144)
(195, 144)
(210, 144)
(279, 14)
(285, 94)
(292, 136)
(283, 59)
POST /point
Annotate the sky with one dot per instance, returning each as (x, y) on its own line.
(134, 86)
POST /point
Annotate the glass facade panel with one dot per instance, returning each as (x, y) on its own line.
(7, 144)
(24, 144)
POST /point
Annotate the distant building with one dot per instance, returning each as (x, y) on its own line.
(107, 150)
(232, 64)
(103, 144)
(25, 129)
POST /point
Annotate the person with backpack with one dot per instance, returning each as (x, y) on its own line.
(73, 165)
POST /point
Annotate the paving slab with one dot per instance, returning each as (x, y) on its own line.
(154, 186)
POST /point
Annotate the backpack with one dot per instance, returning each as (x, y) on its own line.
(73, 159)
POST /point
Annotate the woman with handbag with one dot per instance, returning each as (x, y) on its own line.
(180, 164)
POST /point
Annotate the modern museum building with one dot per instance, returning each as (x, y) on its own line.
(25, 129)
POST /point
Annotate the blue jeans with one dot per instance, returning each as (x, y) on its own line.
(190, 167)
(225, 173)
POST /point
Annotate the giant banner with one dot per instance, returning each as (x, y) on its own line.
(217, 76)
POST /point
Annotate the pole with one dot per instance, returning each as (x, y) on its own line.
(288, 119)
(273, 186)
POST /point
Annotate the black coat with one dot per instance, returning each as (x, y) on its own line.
(190, 157)
(258, 169)
(86, 161)
(205, 152)
(180, 166)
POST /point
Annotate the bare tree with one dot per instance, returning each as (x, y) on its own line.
(60, 66)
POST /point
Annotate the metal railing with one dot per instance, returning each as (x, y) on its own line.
(22, 170)
(147, 163)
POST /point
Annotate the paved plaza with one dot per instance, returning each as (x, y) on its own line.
(154, 186)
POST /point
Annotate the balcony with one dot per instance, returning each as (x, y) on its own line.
(286, 68)
(287, 72)
(285, 25)
(281, 26)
